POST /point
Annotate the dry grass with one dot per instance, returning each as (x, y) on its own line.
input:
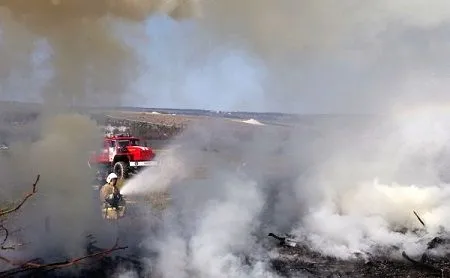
(158, 119)
(159, 200)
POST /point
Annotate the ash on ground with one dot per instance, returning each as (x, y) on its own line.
(285, 261)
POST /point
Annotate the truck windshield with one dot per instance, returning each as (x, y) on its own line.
(134, 142)
(124, 143)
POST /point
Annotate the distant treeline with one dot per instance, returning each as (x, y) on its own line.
(147, 131)
(18, 118)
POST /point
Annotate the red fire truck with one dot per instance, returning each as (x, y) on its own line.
(124, 155)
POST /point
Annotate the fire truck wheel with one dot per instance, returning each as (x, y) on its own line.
(121, 169)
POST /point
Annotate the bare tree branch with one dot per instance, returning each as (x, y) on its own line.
(31, 265)
(11, 210)
(420, 219)
(34, 264)
(6, 234)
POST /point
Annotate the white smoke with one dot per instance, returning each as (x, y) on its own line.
(221, 235)
(370, 216)
(348, 204)
(349, 212)
(170, 169)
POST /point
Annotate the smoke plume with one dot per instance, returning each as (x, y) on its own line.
(86, 62)
(326, 56)
(60, 158)
(352, 190)
(89, 62)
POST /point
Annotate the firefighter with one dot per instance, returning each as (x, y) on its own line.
(110, 193)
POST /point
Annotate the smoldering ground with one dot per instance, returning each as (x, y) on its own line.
(211, 226)
(218, 225)
(348, 57)
(331, 200)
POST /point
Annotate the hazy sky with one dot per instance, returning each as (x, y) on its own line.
(289, 56)
(179, 75)
(399, 64)
(219, 80)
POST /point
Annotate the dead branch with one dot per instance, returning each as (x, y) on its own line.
(418, 217)
(32, 265)
(11, 210)
(422, 265)
(2, 245)
(6, 234)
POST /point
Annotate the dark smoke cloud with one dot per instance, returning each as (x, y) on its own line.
(89, 61)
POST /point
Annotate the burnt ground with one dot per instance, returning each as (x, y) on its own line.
(289, 261)
(299, 261)
(304, 262)
(285, 260)
(305, 267)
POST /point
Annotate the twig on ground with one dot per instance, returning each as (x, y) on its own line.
(11, 210)
(422, 265)
(30, 265)
(418, 217)
(6, 234)
(2, 245)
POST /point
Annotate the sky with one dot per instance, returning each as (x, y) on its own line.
(387, 65)
(223, 79)
(289, 56)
